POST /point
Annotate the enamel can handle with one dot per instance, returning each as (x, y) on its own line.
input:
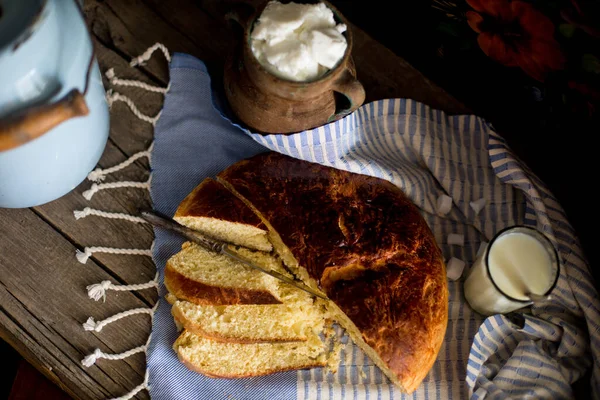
(20, 128)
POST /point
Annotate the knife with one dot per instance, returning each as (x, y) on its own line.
(218, 246)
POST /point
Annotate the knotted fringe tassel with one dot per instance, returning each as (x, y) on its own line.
(97, 291)
(136, 390)
(83, 256)
(142, 58)
(112, 97)
(99, 174)
(96, 326)
(110, 215)
(91, 359)
(96, 187)
(114, 80)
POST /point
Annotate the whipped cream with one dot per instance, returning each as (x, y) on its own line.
(298, 42)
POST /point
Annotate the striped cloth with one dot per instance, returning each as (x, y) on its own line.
(426, 153)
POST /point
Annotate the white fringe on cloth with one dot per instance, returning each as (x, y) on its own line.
(99, 174)
(78, 214)
(96, 187)
(83, 256)
(112, 97)
(136, 390)
(98, 291)
(141, 59)
(97, 354)
(110, 75)
(96, 326)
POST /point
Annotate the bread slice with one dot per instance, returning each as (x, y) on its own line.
(289, 322)
(236, 360)
(204, 277)
(214, 211)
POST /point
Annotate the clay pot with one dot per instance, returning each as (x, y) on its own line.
(269, 104)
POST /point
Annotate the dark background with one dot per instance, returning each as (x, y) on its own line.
(557, 144)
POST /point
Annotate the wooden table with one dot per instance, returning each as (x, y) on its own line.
(43, 300)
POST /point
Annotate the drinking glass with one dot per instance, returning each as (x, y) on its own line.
(502, 283)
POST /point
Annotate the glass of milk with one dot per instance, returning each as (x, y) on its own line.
(517, 261)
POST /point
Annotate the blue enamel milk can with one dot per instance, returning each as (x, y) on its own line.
(54, 120)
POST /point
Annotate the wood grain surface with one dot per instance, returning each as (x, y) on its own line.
(43, 300)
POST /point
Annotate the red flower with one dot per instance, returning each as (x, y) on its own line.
(515, 34)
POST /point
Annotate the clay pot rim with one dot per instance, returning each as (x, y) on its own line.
(330, 74)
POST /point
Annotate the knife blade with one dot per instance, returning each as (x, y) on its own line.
(218, 246)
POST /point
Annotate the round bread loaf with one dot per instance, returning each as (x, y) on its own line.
(361, 242)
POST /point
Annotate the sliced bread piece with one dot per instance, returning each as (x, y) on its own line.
(236, 360)
(214, 211)
(288, 322)
(204, 277)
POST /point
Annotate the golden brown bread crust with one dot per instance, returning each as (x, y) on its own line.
(196, 292)
(366, 245)
(210, 199)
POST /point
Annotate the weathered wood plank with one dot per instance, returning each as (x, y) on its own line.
(385, 75)
(129, 28)
(108, 29)
(44, 303)
(129, 133)
(96, 231)
(47, 349)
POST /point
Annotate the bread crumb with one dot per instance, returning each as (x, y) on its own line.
(362, 374)
(336, 345)
(328, 329)
(333, 359)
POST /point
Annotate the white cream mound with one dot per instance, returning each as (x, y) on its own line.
(298, 42)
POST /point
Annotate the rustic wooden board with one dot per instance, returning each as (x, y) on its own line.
(95, 231)
(42, 286)
(44, 303)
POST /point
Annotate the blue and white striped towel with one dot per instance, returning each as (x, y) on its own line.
(426, 153)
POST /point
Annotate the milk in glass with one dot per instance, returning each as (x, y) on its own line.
(516, 262)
